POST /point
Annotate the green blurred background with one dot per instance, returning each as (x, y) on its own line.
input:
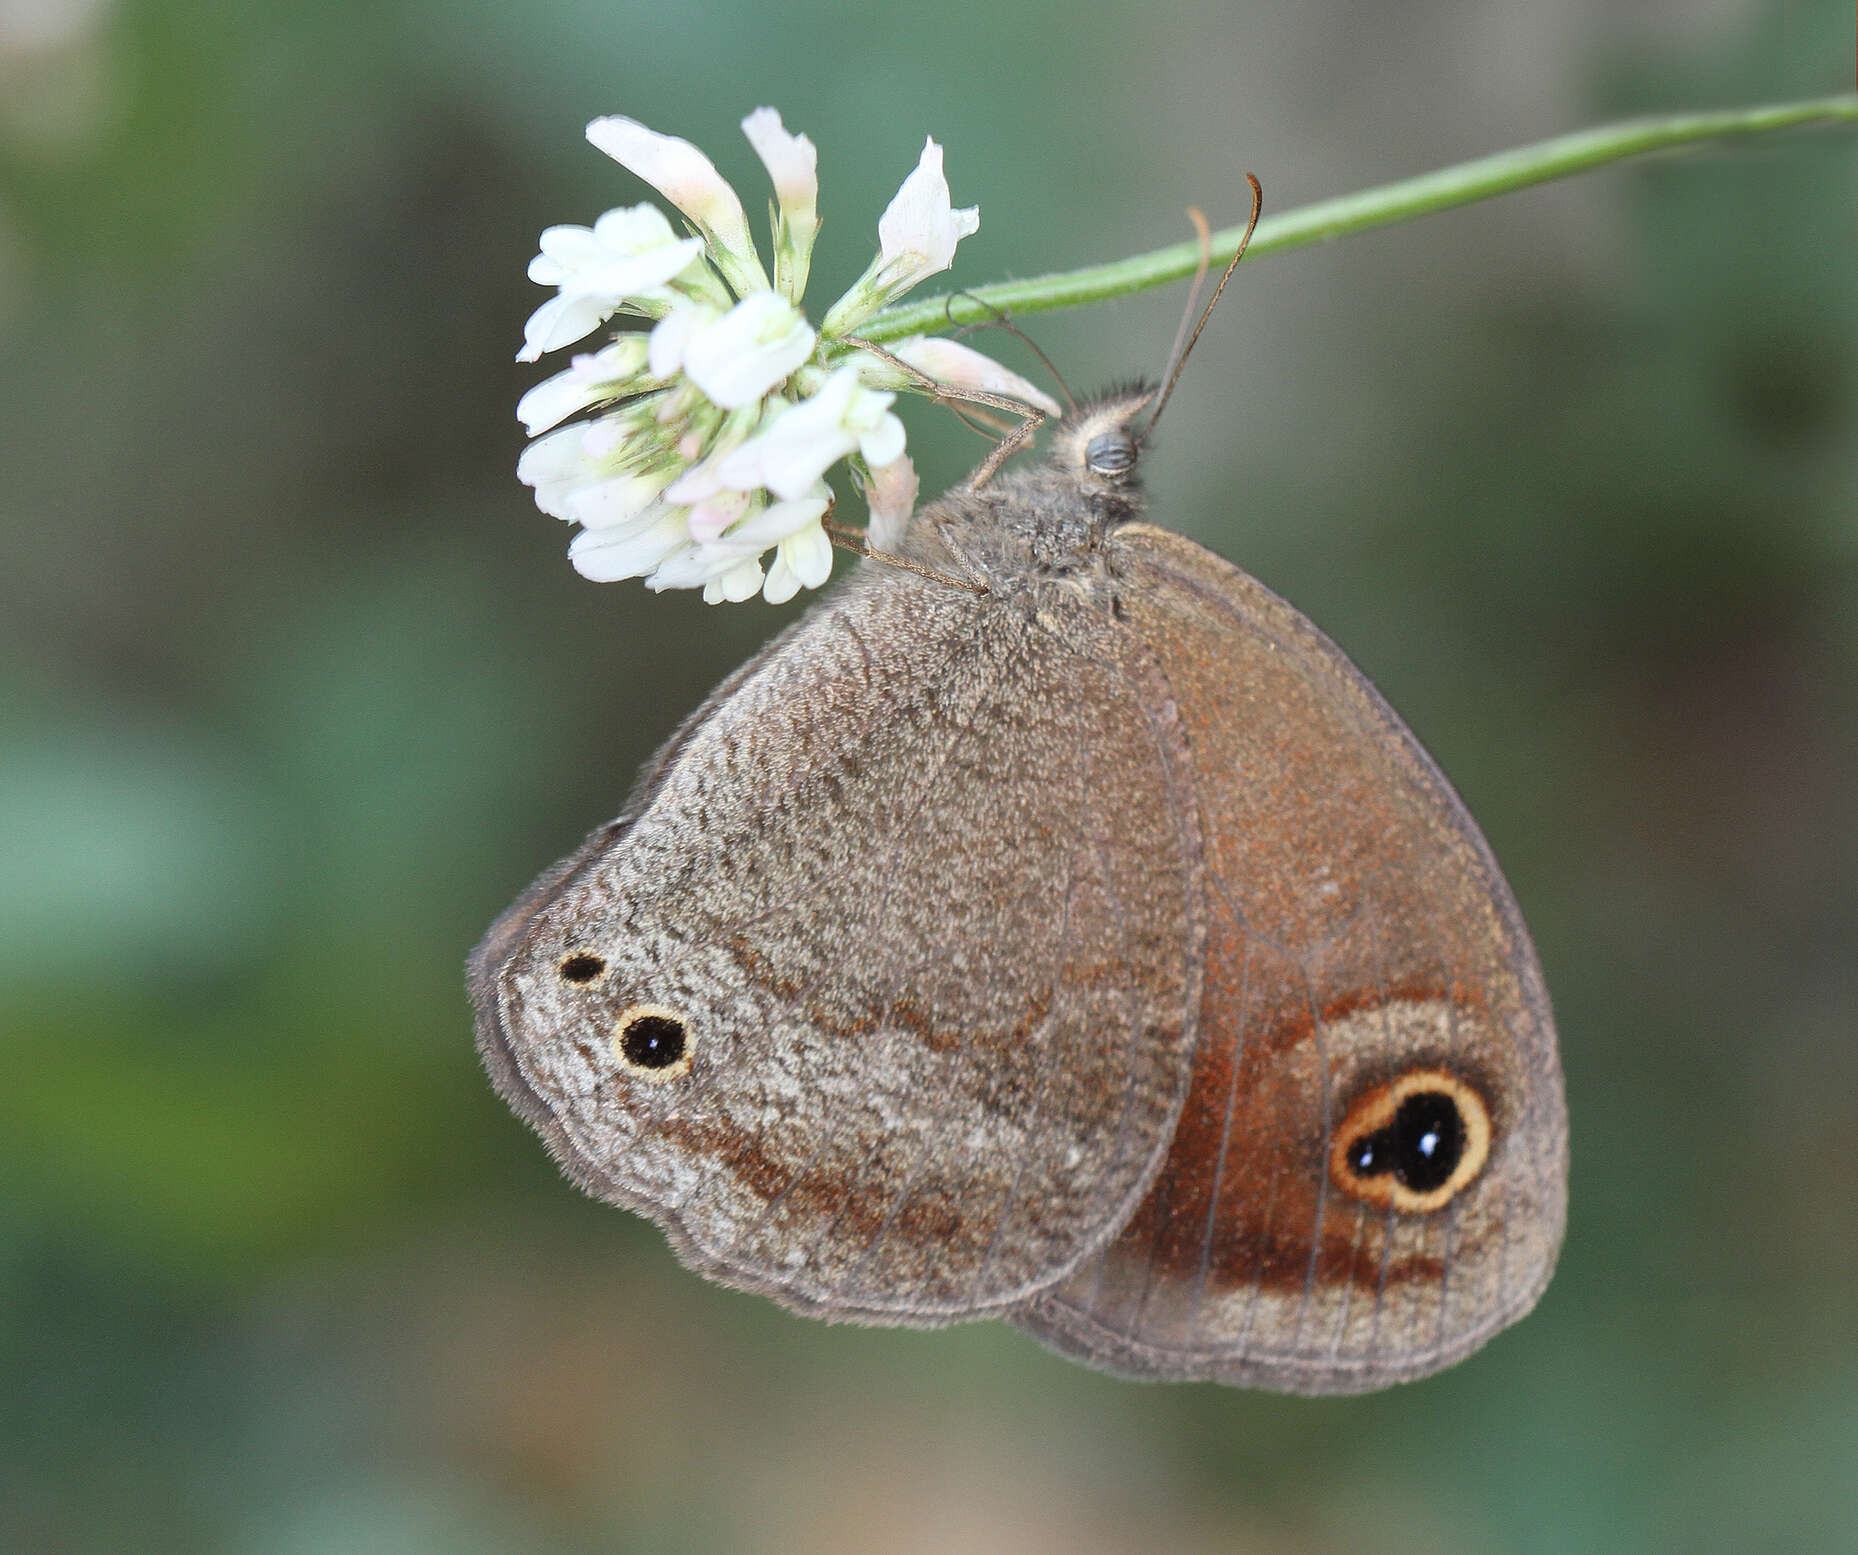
(299, 692)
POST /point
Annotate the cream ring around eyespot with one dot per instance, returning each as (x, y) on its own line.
(653, 1043)
(1374, 1114)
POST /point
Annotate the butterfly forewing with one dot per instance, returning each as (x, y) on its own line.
(927, 973)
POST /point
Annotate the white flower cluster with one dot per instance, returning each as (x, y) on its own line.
(704, 440)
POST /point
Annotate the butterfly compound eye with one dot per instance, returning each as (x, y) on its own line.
(1110, 453)
(652, 1043)
(1412, 1144)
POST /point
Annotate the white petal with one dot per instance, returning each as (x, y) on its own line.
(565, 247)
(804, 560)
(793, 166)
(735, 585)
(605, 437)
(950, 362)
(606, 556)
(689, 180)
(633, 229)
(701, 482)
(672, 333)
(624, 358)
(883, 444)
(916, 236)
(560, 322)
(620, 276)
(809, 553)
(615, 370)
(610, 504)
(674, 167)
(778, 522)
(687, 567)
(782, 582)
(715, 513)
(891, 497)
(791, 160)
(741, 469)
(626, 253)
(800, 444)
(751, 348)
(920, 228)
(557, 466)
(555, 399)
(795, 463)
(558, 456)
(743, 581)
(692, 565)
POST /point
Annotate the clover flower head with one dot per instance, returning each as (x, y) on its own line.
(697, 438)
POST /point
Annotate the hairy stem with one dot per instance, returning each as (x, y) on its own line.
(1462, 184)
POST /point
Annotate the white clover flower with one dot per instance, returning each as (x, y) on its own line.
(728, 567)
(625, 253)
(740, 357)
(559, 466)
(689, 180)
(618, 501)
(916, 238)
(802, 442)
(960, 367)
(792, 166)
(610, 374)
(704, 439)
(671, 334)
(891, 496)
(629, 550)
(711, 516)
(920, 227)
(801, 561)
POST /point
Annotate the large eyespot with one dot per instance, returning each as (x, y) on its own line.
(1110, 453)
(653, 1043)
(581, 966)
(1412, 1144)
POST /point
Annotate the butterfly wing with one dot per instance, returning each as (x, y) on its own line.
(1370, 997)
(881, 1002)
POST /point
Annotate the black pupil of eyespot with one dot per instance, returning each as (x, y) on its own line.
(582, 968)
(653, 1042)
(1421, 1147)
(1109, 453)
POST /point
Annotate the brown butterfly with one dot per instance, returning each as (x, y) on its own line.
(1057, 927)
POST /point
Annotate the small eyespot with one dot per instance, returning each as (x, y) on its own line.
(1110, 453)
(653, 1043)
(581, 966)
(1412, 1144)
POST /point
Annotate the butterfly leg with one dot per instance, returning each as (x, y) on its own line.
(1030, 417)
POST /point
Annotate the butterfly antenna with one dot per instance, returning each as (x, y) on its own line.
(1205, 234)
(1001, 321)
(1174, 376)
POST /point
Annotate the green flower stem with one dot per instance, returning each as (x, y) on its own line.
(1449, 186)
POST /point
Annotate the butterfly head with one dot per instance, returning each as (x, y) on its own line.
(1099, 445)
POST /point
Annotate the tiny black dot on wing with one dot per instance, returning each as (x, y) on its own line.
(581, 966)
